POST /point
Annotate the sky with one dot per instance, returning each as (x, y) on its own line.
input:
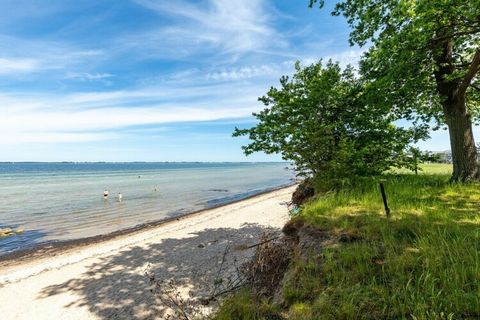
(151, 80)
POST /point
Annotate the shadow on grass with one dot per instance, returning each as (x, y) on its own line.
(430, 195)
(117, 288)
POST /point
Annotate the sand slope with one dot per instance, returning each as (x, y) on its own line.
(107, 280)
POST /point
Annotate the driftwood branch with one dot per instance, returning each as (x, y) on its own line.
(263, 242)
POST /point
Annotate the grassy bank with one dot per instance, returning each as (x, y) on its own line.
(422, 263)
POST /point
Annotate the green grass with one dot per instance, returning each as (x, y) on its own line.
(422, 263)
(429, 169)
(245, 305)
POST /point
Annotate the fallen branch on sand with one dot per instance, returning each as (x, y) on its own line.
(264, 270)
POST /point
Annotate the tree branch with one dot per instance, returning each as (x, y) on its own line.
(445, 36)
(471, 72)
(475, 86)
(454, 35)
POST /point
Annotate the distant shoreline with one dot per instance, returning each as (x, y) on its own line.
(94, 162)
(57, 247)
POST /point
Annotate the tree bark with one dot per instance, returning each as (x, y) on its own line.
(464, 151)
(452, 94)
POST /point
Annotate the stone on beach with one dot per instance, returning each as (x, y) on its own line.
(6, 232)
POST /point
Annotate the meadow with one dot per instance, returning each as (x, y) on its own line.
(421, 263)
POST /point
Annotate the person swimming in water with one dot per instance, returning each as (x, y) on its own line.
(105, 194)
(120, 197)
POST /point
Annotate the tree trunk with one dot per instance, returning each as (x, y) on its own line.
(452, 94)
(464, 151)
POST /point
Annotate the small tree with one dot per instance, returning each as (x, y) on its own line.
(319, 120)
(419, 157)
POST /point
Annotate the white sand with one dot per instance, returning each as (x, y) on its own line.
(107, 280)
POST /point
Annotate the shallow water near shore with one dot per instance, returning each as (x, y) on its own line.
(64, 201)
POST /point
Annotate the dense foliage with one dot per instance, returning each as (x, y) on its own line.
(320, 120)
(422, 61)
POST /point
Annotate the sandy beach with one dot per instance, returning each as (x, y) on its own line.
(107, 280)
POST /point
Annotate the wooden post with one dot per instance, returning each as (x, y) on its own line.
(384, 197)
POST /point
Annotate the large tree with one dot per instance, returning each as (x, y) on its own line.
(423, 60)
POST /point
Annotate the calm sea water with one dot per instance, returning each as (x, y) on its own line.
(64, 201)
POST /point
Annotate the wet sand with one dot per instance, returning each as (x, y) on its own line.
(105, 279)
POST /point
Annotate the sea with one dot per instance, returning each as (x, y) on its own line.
(56, 202)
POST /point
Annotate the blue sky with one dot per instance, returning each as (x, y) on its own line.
(151, 80)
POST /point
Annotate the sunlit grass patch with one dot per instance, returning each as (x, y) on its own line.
(245, 305)
(428, 169)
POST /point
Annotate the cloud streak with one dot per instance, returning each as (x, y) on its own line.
(233, 26)
(22, 56)
(14, 65)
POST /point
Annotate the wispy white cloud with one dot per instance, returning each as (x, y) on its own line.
(242, 73)
(233, 26)
(14, 65)
(351, 56)
(219, 74)
(58, 137)
(91, 116)
(27, 56)
(86, 76)
(346, 57)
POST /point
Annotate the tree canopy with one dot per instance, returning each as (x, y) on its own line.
(319, 119)
(422, 62)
